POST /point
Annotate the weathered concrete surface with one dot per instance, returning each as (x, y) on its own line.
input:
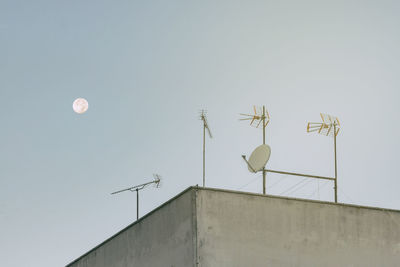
(237, 229)
(217, 228)
(162, 238)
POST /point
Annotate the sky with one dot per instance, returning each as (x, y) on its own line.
(147, 68)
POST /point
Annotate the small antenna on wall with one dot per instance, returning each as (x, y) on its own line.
(137, 188)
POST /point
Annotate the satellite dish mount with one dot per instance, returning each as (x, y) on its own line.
(329, 126)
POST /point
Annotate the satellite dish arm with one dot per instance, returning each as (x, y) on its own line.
(248, 164)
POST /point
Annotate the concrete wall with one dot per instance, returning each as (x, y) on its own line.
(219, 228)
(237, 229)
(162, 238)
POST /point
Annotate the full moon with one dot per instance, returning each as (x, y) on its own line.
(80, 105)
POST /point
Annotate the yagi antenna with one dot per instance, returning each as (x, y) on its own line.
(203, 117)
(156, 182)
(260, 117)
(329, 126)
(261, 154)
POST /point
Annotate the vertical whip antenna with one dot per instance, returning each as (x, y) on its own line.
(203, 117)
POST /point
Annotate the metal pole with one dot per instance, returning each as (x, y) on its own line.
(264, 172)
(204, 153)
(334, 144)
(300, 174)
(263, 118)
(137, 203)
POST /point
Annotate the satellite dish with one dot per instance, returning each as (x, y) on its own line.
(259, 158)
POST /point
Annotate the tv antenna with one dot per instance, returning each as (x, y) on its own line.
(260, 115)
(137, 188)
(260, 154)
(329, 126)
(203, 117)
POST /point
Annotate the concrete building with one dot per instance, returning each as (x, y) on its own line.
(213, 227)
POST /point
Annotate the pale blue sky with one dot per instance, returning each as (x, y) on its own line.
(146, 69)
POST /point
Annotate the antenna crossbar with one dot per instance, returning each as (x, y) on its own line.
(133, 188)
(300, 174)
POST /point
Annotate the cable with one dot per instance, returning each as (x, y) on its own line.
(277, 182)
(269, 187)
(290, 188)
(313, 193)
(300, 187)
(345, 194)
(249, 183)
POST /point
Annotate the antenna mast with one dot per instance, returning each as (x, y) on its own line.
(260, 116)
(203, 117)
(329, 126)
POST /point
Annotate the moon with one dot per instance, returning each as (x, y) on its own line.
(80, 105)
